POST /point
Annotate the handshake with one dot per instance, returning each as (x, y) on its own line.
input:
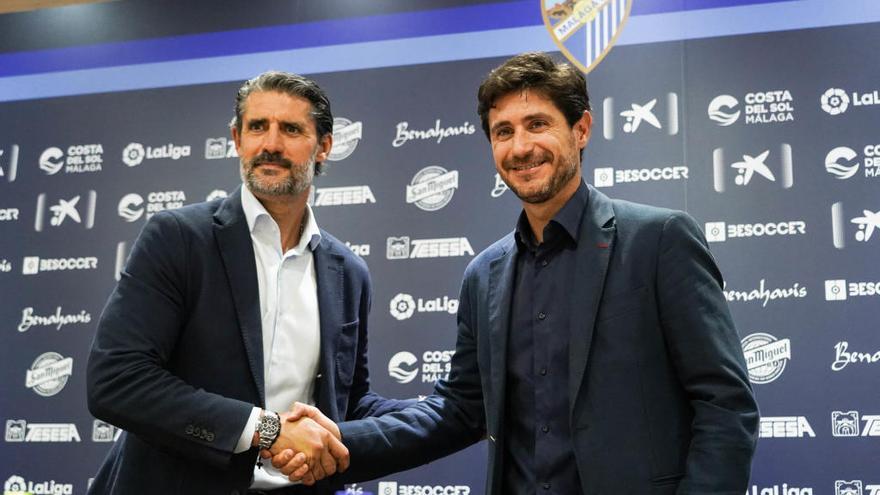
(308, 447)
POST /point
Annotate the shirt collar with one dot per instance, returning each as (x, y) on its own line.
(569, 218)
(255, 213)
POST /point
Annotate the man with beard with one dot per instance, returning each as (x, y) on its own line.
(595, 350)
(227, 313)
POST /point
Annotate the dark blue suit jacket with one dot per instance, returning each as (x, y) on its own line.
(177, 361)
(658, 387)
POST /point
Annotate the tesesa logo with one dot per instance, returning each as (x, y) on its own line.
(19, 430)
(219, 148)
(785, 427)
(854, 487)
(342, 196)
(404, 248)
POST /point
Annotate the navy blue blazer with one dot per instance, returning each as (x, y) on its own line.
(177, 361)
(660, 400)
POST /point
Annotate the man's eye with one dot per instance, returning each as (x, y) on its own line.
(255, 126)
(293, 129)
(537, 124)
(502, 133)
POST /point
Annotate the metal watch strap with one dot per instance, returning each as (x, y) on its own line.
(268, 426)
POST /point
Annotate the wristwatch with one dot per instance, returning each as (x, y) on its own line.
(268, 426)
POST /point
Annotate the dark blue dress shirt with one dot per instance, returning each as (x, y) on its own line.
(538, 453)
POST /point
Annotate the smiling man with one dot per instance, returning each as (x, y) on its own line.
(595, 349)
(230, 311)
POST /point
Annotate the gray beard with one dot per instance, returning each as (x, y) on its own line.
(299, 180)
(552, 188)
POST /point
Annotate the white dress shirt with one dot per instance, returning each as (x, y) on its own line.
(290, 321)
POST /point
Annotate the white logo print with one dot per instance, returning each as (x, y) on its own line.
(638, 114)
(845, 423)
(130, 207)
(843, 357)
(133, 154)
(51, 160)
(432, 188)
(835, 290)
(402, 306)
(16, 485)
(340, 196)
(607, 176)
(853, 487)
(840, 170)
(785, 427)
(867, 223)
(439, 133)
(49, 373)
(15, 430)
(56, 319)
(216, 194)
(499, 188)
(9, 163)
(403, 367)
(346, 136)
(104, 432)
(66, 209)
(751, 165)
(721, 110)
(218, 148)
(834, 101)
(403, 248)
(766, 356)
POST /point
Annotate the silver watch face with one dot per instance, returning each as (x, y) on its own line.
(269, 427)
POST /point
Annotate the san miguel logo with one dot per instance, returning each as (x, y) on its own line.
(585, 30)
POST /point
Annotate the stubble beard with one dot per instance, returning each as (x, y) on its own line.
(561, 176)
(297, 181)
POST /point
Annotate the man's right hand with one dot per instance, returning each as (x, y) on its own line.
(323, 454)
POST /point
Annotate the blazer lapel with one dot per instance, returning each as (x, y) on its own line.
(329, 276)
(596, 243)
(237, 251)
(500, 294)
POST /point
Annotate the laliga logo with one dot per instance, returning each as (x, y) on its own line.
(834, 101)
(15, 484)
(133, 154)
(131, 207)
(721, 110)
(402, 367)
(402, 306)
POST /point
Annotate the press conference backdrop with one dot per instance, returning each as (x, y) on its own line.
(764, 124)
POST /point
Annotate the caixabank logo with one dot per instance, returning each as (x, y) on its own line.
(77, 210)
(758, 107)
(752, 167)
(9, 163)
(658, 115)
(21, 431)
(855, 487)
(609, 176)
(17, 485)
(861, 226)
(766, 356)
(847, 424)
(75, 159)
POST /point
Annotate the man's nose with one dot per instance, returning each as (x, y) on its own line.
(272, 140)
(522, 143)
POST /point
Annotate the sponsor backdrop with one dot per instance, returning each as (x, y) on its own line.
(769, 139)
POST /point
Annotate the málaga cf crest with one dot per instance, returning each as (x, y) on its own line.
(585, 30)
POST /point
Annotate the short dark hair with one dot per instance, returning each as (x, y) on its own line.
(293, 85)
(563, 84)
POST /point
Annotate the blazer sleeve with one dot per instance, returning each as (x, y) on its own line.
(128, 381)
(704, 348)
(363, 402)
(448, 420)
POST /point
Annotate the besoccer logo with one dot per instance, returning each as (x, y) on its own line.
(834, 101)
(835, 290)
(403, 367)
(133, 154)
(402, 306)
(721, 110)
(845, 423)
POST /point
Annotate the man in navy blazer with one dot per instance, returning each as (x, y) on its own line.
(229, 306)
(595, 348)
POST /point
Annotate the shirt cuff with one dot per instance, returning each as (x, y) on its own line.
(247, 436)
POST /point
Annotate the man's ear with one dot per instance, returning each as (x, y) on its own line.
(582, 128)
(325, 145)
